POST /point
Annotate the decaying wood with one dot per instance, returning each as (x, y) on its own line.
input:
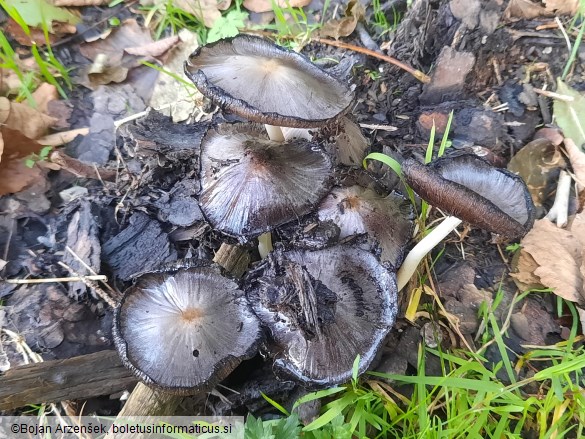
(83, 377)
(233, 259)
(82, 238)
(141, 246)
(145, 401)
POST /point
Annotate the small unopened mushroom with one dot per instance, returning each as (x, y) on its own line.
(184, 330)
(262, 82)
(356, 210)
(323, 308)
(250, 184)
(471, 190)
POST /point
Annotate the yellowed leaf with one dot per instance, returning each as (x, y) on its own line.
(266, 5)
(20, 117)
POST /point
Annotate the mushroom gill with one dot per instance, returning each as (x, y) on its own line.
(262, 82)
(387, 220)
(250, 184)
(323, 308)
(184, 330)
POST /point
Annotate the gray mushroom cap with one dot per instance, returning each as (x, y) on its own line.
(265, 83)
(388, 220)
(323, 308)
(250, 184)
(185, 330)
(471, 189)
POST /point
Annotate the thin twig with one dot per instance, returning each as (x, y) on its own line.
(91, 284)
(564, 32)
(369, 126)
(115, 293)
(54, 279)
(414, 72)
(552, 94)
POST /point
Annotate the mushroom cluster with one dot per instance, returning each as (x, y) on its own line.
(322, 304)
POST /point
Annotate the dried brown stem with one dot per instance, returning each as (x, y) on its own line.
(414, 72)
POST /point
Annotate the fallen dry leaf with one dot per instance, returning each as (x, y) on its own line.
(527, 9)
(9, 82)
(36, 34)
(562, 7)
(14, 174)
(266, 5)
(207, 11)
(44, 94)
(58, 139)
(122, 50)
(557, 258)
(30, 122)
(128, 35)
(154, 49)
(524, 275)
(170, 96)
(518, 9)
(538, 163)
(345, 26)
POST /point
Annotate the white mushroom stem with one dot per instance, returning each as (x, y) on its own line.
(274, 133)
(429, 242)
(264, 244)
(560, 208)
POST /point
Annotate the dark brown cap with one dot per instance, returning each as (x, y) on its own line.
(474, 191)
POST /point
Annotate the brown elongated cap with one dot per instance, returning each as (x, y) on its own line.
(250, 184)
(388, 220)
(474, 191)
(265, 83)
(184, 330)
(322, 309)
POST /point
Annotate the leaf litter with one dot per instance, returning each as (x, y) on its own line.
(552, 257)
